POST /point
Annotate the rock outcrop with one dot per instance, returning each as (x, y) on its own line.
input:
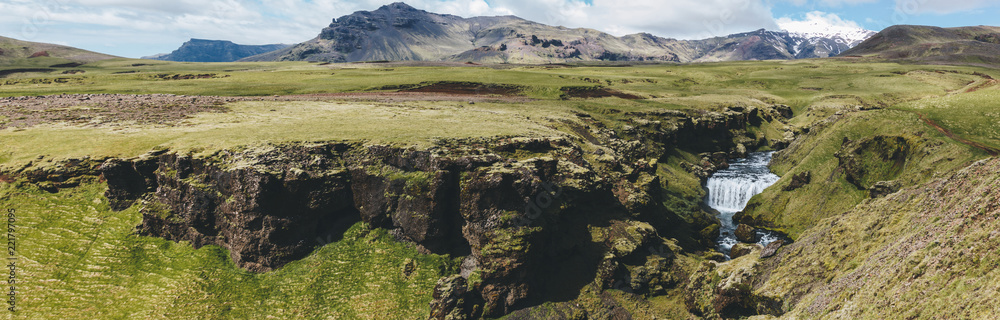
(717, 291)
(873, 159)
(535, 218)
(798, 181)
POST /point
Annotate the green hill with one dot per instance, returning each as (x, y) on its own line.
(24, 53)
(964, 45)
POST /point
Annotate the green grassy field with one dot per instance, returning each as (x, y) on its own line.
(814, 88)
(81, 260)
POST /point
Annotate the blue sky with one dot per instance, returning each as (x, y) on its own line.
(879, 14)
(134, 28)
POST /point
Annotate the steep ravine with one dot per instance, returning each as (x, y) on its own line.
(537, 219)
(860, 193)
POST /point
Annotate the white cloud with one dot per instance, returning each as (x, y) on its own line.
(840, 3)
(680, 18)
(816, 20)
(911, 7)
(140, 27)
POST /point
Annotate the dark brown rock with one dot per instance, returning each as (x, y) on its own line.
(452, 300)
(741, 249)
(745, 233)
(264, 217)
(506, 253)
(128, 180)
(784, 111)
(798, 181)
(59, 174)
(553, 311)
(883, 188)
(740, 151)
(771, 248)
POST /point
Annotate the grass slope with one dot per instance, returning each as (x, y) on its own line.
(19, 53)
(78, 259)
(927, 252)
(830, 193)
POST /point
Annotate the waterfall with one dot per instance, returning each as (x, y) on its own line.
(729, 191)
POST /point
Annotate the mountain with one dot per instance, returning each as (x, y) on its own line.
(840, 32)
(13, 51)
(975, 45)
(770, 45)
(198, 50)
(400, 32)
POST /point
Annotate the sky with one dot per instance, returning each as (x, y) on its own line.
(135, 28)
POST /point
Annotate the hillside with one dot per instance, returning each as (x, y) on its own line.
(15, 52)
(398, 32)
(969, 45)
(198, 50)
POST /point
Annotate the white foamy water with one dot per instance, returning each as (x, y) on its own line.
(729, 191)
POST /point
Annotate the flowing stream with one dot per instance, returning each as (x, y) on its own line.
(729, 191)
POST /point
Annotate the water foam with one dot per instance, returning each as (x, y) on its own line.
(730, 190)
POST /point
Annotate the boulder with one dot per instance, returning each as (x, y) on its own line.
(771, 248)
(739, 152)
(745, 233)
(742, 249)
(883, 188)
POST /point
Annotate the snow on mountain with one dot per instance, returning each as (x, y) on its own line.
(826, 25)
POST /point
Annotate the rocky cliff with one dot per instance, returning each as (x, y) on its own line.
(536, 219)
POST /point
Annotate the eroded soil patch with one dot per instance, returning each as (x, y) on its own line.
(403, 96)
(595, 92)
(4, 73)
(166, 109)
(467, 88)
(100, 109)
(186, 76)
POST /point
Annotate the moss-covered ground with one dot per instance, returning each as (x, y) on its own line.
(78, 259)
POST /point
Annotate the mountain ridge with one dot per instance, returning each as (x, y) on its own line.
(399, 32)
(201, 50)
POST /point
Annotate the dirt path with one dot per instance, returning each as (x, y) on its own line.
(990, 150)
(985, 84)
